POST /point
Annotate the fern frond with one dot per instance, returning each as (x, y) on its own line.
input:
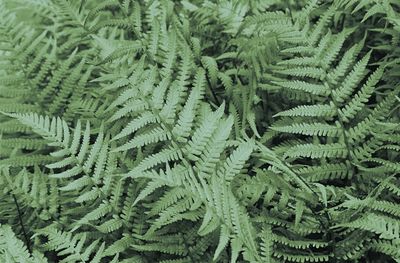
(315, 89)
(313, 151)
(14, 250)
(72, 245)
(323, 110)
(385, 227)
(320, 129)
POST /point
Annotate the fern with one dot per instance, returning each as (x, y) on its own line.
(14, 250)
(199, 131)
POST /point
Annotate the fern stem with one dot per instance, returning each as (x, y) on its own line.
(22, 224)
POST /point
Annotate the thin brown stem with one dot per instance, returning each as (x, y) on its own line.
(22, 224)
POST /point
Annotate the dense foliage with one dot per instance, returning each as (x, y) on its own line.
(199, 131)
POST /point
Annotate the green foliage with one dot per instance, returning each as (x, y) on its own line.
(199, 131)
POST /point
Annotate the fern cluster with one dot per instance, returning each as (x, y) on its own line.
(199, 131)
